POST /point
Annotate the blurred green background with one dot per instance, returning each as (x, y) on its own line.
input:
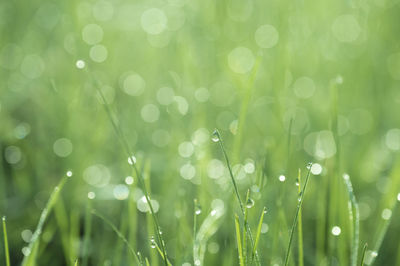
(285, 82)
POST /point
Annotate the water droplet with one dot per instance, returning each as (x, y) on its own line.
(215, 136)
(197, 209)
(69, 173)
(197, 262)
(249, 203)
(129, 180)
(386, 214)
(132, 160)
(80, 64)
(336, 230)
(91, 195)
(374, 253)
(398, 197)
(265, 210)
(26, 251)
(282, 178)
(153, 243)
(309, 165)
(4, 218)
(213, 212)
(297, 182)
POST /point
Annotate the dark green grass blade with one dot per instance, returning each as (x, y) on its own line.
(239, 241)
(363, 254)
(87, 234)
(6, 251)
(34, 242)
(119, 234)
(303, 191)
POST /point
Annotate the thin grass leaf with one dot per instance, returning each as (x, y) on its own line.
(6, 251)
(119, 234)
(363, 254)
(217, 137)
(139, 176)
(34, 242)
(300, 203)
(300, 224)
(354, 219)
(76, 262)
(239, 241)
(258, 233)
(244, 226)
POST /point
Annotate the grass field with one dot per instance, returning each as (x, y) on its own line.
(200, 132)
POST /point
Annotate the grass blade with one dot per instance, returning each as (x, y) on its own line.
(139, 176)
(6, 251)
(88, 231)
(34, 242)
(258, 233)
(354, 219)
(239, 241)
(301, 198)
(363, 254)
(245, 231)
(217, 138)
(119, 234)
(300, 225)
(76, 262)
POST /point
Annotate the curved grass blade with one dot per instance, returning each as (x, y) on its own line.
(76, 262)
(139, 176)
(301, 198)
(258, 233)
(34, 242)
(119, 234)
(239, 241)
(245, 259)
(363, 254)
(354, 219)
(217, 137)
(6, 251)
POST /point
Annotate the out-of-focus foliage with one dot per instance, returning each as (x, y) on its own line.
(285, 82)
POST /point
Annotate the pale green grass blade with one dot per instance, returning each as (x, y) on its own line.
(300, 224)
(300, 203)
(239, 241)
(76, 262)
(363, 254)
(119, 234)
(34, 242)
(244, 240)
(139, 177)
(258, 233)
(6, 251)
(217, 138)
(354, 219)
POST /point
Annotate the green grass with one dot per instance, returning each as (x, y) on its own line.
(85, 85)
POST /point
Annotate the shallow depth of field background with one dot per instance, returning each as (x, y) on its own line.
(285, 82)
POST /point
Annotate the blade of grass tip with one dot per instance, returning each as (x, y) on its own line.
(300, 203)
(300, 224)
(244, 226)
(34, 242)
(6, 251)
(128, 151)
(119, 234)
(354, 219)
(258, 233)
(239, 241)
(76, 262)
(363, 254)
(216, 137)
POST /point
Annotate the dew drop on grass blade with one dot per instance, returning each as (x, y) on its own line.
(300, 203)
(6, 251)
(34, 242)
